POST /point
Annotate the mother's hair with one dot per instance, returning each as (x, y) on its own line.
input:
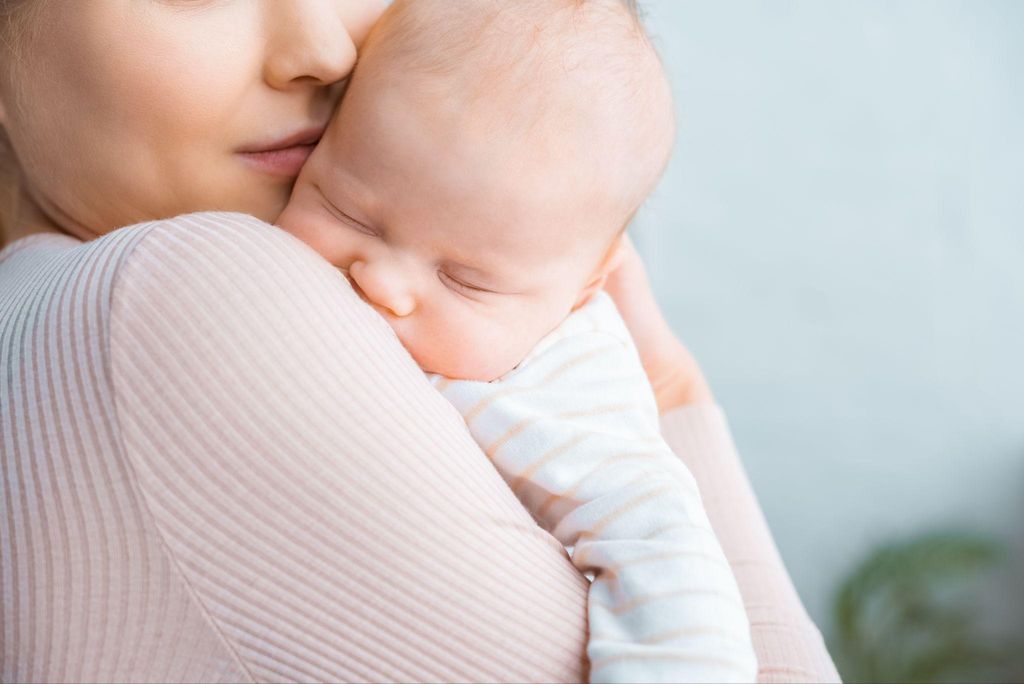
(8, 188)
(11, 22)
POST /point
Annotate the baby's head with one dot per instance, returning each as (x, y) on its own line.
(476, 179)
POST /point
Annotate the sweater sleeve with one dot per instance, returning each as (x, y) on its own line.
(326, 508)
(789, 646)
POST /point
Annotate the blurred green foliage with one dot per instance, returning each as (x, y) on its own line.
(909, 613)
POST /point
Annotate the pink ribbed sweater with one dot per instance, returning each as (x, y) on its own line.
(218, 464)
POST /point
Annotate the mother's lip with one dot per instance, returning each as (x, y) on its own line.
(306, 136)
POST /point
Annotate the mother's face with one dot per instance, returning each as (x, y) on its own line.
(121, 111)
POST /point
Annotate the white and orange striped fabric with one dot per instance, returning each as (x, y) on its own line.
(218, 464)
(574, 431)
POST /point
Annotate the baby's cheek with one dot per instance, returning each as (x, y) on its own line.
(466, 347)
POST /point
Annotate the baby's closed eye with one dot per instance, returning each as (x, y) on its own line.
(347, 220)
(462, 287)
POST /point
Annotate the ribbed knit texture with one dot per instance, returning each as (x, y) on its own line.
(218, 464)
(788, 644)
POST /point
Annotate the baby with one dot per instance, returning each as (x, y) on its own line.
(474, 186)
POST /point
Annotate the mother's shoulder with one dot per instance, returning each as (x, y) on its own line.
(233, 232)
(231, 262)
(227, 254)
(215, 235)
(233, 243)
(197, 221)
(211, 286)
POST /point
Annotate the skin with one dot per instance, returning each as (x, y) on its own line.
(163, 139)
(472, 208)
(468, 244)
(169, 91)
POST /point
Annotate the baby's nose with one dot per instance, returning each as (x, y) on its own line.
(379, 286)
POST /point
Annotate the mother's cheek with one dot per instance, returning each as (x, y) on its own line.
(178, 86)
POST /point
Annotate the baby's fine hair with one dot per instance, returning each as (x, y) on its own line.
(543, 68)
(439, 36)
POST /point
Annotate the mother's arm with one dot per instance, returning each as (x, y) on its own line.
(788, 645)
(327, 508)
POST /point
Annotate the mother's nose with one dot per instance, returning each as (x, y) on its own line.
(309, 41)
(382, 284)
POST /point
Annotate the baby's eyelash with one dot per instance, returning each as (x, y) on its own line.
(352, 223)
(458, 284)
(345, 218)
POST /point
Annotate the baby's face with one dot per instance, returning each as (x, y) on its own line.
(471, 246)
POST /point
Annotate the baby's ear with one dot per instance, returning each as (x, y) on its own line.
(611, 261)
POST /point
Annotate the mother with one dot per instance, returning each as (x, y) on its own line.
(218, 464)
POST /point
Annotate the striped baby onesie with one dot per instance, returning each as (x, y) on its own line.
(574, 431)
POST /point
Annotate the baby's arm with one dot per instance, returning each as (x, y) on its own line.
(574, 431)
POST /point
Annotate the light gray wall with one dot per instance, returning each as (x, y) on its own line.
(840, 239)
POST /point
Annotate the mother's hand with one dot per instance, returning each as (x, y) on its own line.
(673, 372)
